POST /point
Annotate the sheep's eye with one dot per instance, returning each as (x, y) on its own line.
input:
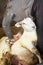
(23, 23)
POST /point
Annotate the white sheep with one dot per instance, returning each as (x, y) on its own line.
(22, 46)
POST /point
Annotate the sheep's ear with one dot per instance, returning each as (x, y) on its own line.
(18, 24)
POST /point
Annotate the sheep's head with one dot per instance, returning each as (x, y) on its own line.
(27, 24)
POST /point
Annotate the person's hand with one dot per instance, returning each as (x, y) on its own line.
(12, 41)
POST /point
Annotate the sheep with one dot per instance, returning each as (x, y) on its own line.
(25, 43)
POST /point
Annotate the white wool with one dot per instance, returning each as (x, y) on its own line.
(24, 44)
(28, 36)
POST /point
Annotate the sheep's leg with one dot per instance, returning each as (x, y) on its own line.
(35, 51)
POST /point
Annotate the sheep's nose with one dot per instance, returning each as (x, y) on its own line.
(33, 26)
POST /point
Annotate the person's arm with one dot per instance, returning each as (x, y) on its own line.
(6, 25)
